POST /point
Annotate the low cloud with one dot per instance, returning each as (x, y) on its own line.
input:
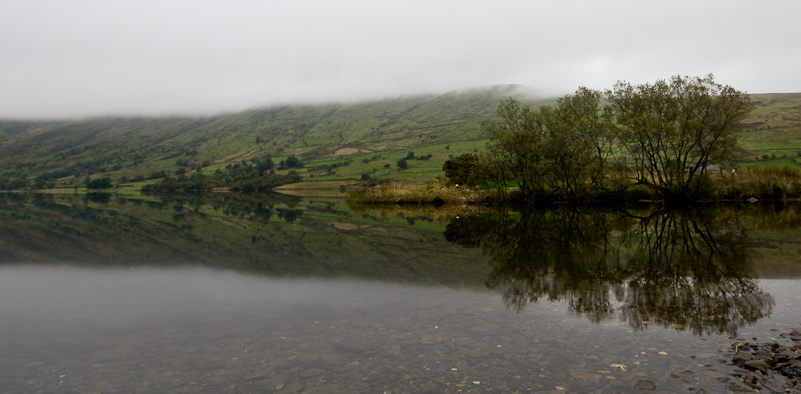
(94, 58)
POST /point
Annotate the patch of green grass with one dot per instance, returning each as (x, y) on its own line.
(792, 162)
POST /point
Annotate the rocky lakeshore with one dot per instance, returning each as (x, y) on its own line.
(769, 366)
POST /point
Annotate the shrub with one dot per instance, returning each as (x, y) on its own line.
(99, 183)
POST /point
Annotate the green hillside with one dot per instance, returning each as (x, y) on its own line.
(336, 142)
(773, 130)
(318, 134)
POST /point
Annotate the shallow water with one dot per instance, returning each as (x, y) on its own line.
(95, 324)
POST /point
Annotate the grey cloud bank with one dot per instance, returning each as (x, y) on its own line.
(94, 58)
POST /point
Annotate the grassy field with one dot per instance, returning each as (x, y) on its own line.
(773, 130)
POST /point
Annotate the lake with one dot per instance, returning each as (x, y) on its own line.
(270, 293)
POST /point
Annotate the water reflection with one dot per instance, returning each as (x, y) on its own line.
(256, 293)
(691, 270)
(686, 269)
(260, 234)
(195, 330)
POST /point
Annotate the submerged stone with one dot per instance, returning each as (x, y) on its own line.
(645, 385)
(431, 339)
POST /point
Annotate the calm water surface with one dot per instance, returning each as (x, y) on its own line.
(286, 296)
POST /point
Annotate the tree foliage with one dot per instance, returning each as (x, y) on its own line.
(578, 142)
(517, 148)
(550, 150)
(674, 130)
(293, 162)
(462, 169)
(253, 176)
(402, 164)
(13, 184)
(99, 183)
(665, 135)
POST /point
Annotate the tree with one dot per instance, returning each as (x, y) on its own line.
(99, 183)
(264, 165)
(674, 130)
(461, 169)
(578, 142)
(560, 149)
(43, 181)
(402, 164)
(516, 147)
(14, 184)
(293, 162)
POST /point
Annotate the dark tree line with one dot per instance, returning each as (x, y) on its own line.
(254, 176)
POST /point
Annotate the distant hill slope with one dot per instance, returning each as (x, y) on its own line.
(773, 130)
(377, 133)
(142, 145)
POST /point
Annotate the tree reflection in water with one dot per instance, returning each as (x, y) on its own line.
(685, 269)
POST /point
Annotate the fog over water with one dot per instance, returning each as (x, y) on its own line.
(94, 58)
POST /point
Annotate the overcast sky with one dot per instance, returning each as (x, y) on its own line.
(146, 57)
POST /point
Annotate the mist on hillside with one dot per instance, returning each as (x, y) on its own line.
(90, 58)
(497, 92)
